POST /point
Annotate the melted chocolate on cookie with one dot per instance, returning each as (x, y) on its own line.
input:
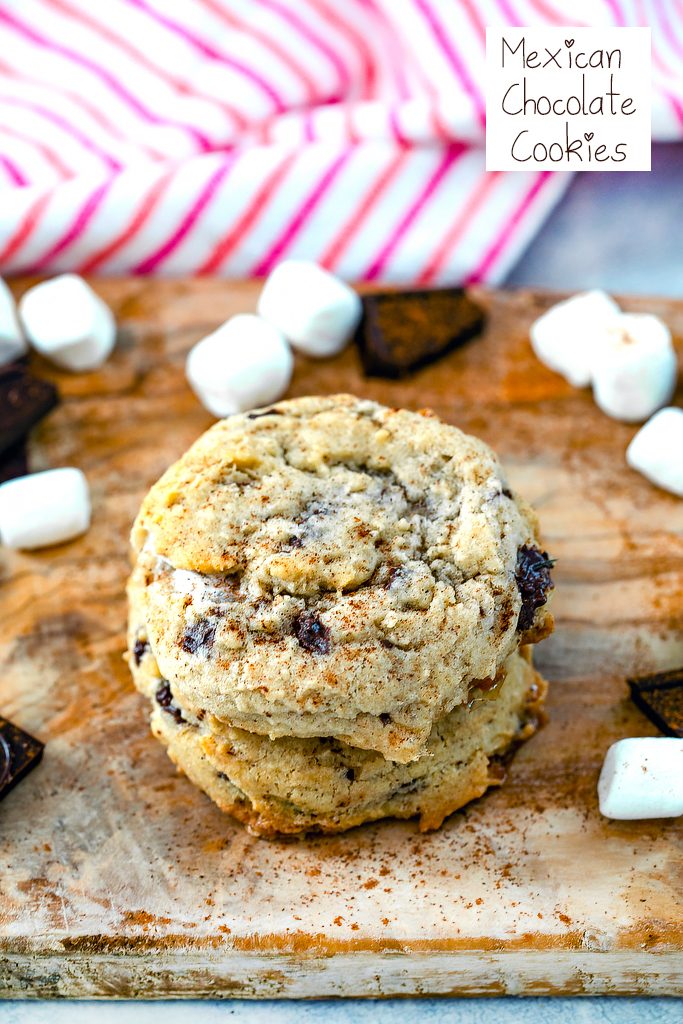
(164, 699)
(312, 635)
(533, 582)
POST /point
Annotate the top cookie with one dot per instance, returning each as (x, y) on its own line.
(330, 567)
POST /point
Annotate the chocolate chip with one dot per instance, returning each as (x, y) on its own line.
(507, 492)
(200, 635)
(350, 775)
(660, 697)
(164, 699)
(312, 635)
(24, 401)
(140, 647)
(266, 412)
(395, 575)
(19, 754)
(533, 582)
(385, 718)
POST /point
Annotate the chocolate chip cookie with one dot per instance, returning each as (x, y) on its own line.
(292, 785)
(331, 567)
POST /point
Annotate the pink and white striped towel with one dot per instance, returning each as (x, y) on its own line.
(219, 136)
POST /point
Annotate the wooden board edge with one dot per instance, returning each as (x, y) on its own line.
(259, 976)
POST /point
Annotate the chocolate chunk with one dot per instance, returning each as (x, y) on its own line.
(24, 401)
(312, 635)
(19, 754)
(164, 699)
(140, 647)
(351, 774)
(660, 697)
(385, 718)
(201, 635)
(14, 461)
(533, 583)
(401, 331)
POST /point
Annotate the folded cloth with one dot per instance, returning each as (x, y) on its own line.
(219, 136)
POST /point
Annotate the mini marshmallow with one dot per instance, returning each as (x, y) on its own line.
(642, 778)
(68, 323)
(635, 370)
(246, 363)
(44, 508)
(315, 311)
(12, 341)
(567, 336)
(657, 450)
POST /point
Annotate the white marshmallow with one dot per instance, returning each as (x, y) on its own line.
(567, 336)
(244, 364)
(634, 372)
(12, 341)
(642, 778)
(44, 508)
(315, 311)
(657, 450)
(68, 323)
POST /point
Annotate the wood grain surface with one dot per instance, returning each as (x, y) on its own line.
(118, 878)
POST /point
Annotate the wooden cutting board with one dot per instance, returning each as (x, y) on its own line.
(118, 878)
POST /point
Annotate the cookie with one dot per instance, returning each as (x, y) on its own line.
(289, 785)
(331, 567)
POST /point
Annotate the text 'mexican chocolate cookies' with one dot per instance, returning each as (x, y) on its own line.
(331, 613)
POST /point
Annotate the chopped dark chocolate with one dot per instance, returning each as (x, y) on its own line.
(14, 461)
(24, 401)
(660, 697)
(19, 754)
(164, 699)
(200, 636)
(312, 635)
(401, 331)
(140, 647)
(533, 583)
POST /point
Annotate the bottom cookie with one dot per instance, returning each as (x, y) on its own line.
(288, 785)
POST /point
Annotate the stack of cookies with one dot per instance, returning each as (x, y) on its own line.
(330, 612)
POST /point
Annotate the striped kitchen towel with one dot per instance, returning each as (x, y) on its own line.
(219, 136)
